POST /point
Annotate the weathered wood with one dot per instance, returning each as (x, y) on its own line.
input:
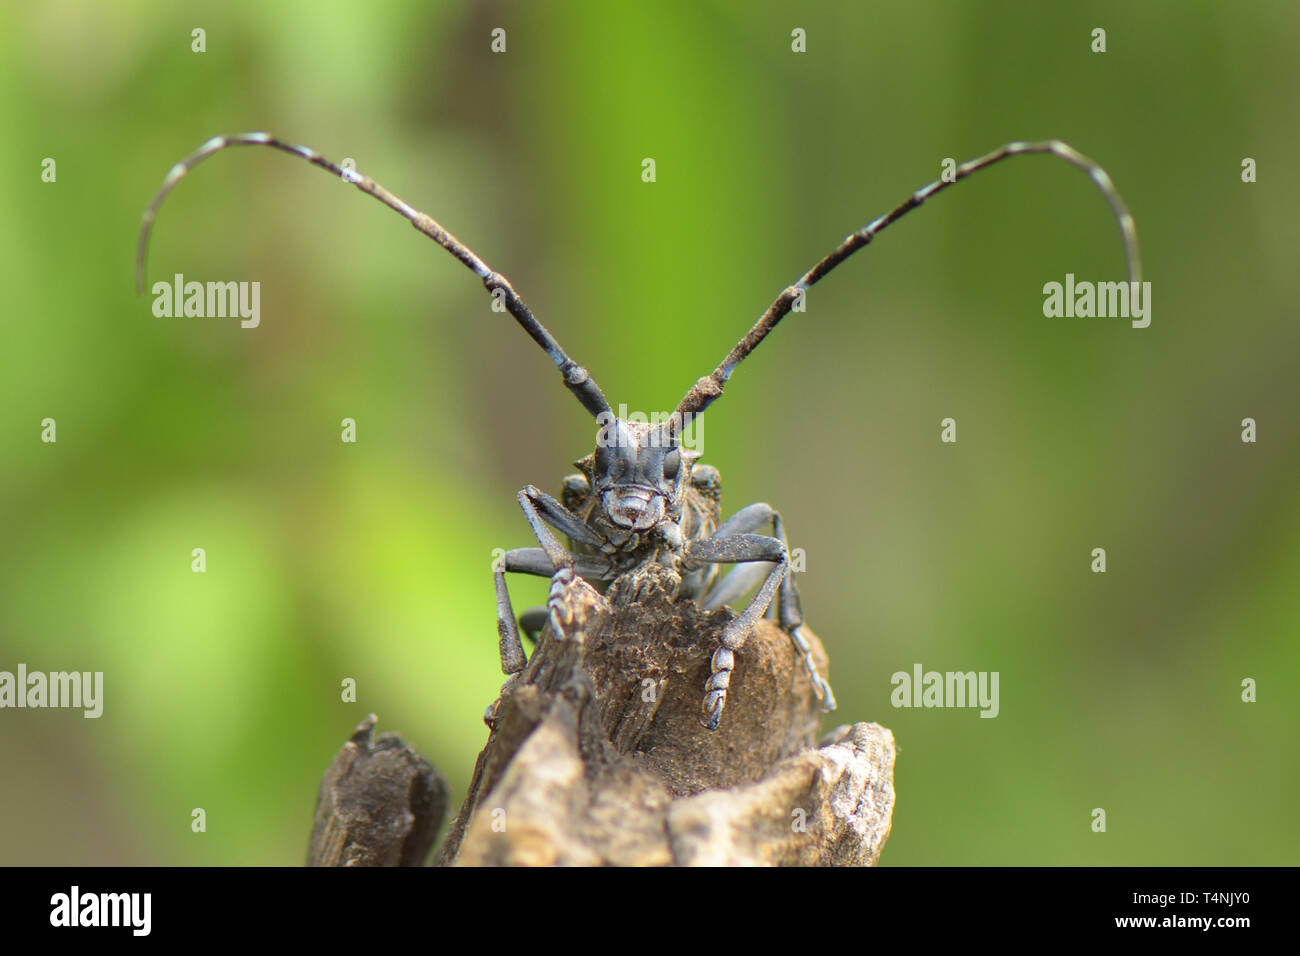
(596, 755)
(380, 804)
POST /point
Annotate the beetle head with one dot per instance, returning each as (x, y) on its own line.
(639, 472)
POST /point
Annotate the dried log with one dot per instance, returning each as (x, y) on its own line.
(596, 755)
(380, 804)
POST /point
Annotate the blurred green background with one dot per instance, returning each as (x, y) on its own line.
(372, 561)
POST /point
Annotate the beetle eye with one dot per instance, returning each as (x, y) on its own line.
(672, 462)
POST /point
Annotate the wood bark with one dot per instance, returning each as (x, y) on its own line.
(380, 804)
(595, 756)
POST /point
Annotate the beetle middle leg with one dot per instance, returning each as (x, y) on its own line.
(789, 615)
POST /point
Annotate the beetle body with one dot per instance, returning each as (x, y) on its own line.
(641, 509)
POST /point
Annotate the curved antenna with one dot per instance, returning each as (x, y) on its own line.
(704, 392)
(576, 378)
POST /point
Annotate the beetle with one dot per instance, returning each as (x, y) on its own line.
(641, 508)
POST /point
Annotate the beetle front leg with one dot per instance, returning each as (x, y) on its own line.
(537, 562)
(788, 612)
(571, 599)
(736, 549)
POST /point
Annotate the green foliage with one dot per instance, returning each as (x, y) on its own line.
(372, 560)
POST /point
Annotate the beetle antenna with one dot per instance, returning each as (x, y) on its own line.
(576, 378)
(704, 392)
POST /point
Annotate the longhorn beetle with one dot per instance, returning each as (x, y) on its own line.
(642, 506)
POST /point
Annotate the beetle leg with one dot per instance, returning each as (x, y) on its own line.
(788, 612)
